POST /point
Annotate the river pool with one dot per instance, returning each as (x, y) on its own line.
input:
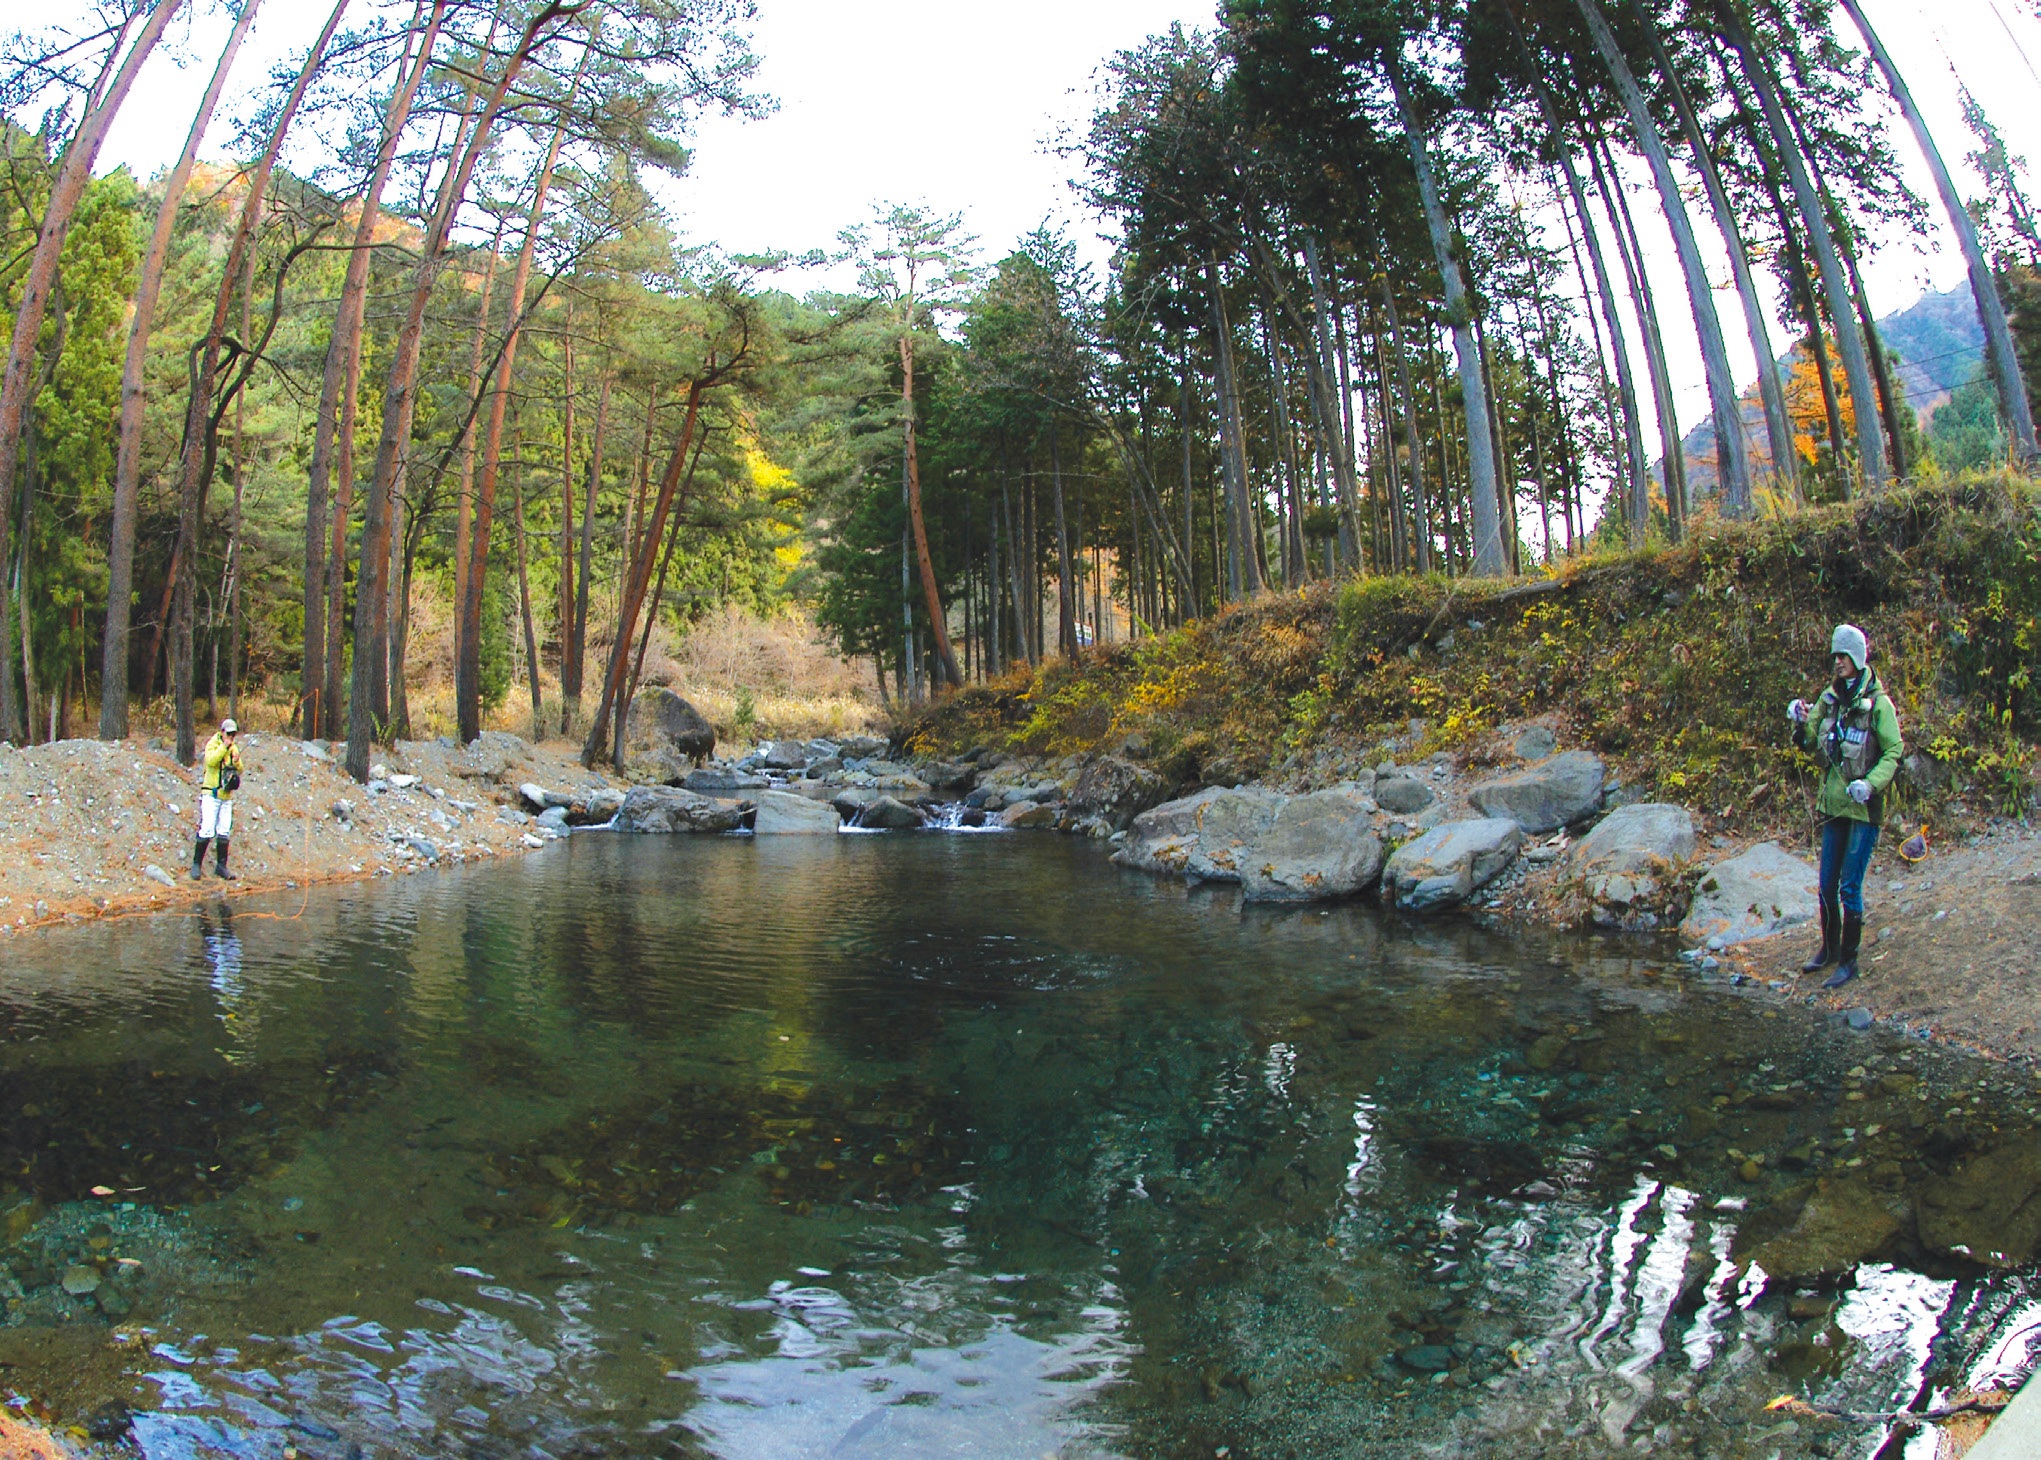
(964, 1145)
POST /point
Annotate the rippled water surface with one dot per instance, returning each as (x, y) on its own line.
(952, 1145)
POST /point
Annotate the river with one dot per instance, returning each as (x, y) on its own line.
(971, 1145)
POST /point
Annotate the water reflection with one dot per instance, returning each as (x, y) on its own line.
(933, 1145)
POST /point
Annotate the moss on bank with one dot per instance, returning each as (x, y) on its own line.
(1675, 664)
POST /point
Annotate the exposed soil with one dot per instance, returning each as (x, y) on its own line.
(99, 829)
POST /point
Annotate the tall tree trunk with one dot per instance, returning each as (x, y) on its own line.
(524, 608)
(1778, 432)
(564, 608)
(638, 573)
(1623, 229)
(577, 638)
(195, 460)
(1732, 466)
(911, 464)
(399, 394)
(1620, 401)
(17, 386)
(1420, 505)
(1998, 335)
(1814, 216)
(1066, 609)
(120, 560)
(333, 436)
(1483, 490)
(468, 624)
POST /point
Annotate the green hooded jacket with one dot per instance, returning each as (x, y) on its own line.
(1855, 739)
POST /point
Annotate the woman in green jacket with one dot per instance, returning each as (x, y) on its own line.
(1853, 730)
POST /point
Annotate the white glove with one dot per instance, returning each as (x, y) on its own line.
(1860, 792)
(1797, 712)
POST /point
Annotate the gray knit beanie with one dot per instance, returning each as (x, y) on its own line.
(1849, 639)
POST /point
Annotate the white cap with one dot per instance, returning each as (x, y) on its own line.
(229, 727)
(1849, 639)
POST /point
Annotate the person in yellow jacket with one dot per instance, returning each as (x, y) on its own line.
(216, 788)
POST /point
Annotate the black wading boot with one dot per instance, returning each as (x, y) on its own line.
(1853, 934)
(220, 860)
(1831, 916)
(198, 858)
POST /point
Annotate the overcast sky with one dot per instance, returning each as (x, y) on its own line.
(951, 104)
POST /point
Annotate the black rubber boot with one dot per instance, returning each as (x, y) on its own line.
(220, 860)
(1853, 935)
(1831, 915)
(198, 858)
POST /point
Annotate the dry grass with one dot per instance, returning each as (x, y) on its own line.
(754, 678)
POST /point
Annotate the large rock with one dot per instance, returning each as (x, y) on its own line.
(1027, 815)
(1201, 836)
(1843, 1223)
(860, 747)
(886, 814)
(1321, 845)
(950, 776)
(1445, 865)
(669, 809)
(782, 813)
(1988, 1209)
(1402, 793)
(786, 755)
(1115, 790)
(1546, 796)
(1630, 862)
(1751, 896)
(665, 737)
(723, 780)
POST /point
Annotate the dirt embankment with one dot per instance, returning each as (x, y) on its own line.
(96, 829)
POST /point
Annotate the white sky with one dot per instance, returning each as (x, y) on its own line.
(949, 104)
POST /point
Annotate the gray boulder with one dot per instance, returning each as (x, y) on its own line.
(1544, 797)
(1630, 862)
(722, 780)
(948, 776)
(1201, 836)
(1321, 846)
(886, 814)
(1115, 790)
(1535, 743)
(851, 801)
(786, 755)
(669, 809)
(860, 747)
(1750, 896)
(664, 737)
(1025, 815)
(781, 813)
(601, 805)
(1403, 794)
(1448, 863)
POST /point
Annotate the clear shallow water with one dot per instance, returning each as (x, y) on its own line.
(941, 1145)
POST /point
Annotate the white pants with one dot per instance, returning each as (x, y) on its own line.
(215, 817)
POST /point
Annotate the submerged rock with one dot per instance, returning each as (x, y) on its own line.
(1320, 846)
(1843, 1223)
(670, 809)
(1201, 836)
(1444, 866)
(1751, 896)
(781, 813)
(1988, 1209)
(1544, 797)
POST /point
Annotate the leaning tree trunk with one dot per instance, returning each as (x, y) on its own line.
(400, 396)
(1420, 507)
(1778, 430)
(1483, 489)
(1814, 216)
(320, 677)
(18, 385)
(1731, 465)
(195, 460)
(1998, 336)
(911, 464)
(575, 640)
(120, 558)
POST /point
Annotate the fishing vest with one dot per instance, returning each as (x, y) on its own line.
(1849, 740)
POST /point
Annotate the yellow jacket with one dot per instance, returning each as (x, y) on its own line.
(221, 756)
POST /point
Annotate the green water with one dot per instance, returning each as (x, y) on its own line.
(948, 1145)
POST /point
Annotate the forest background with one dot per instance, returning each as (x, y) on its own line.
(418, 410)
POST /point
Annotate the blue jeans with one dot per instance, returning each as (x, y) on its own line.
(1845, 856)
